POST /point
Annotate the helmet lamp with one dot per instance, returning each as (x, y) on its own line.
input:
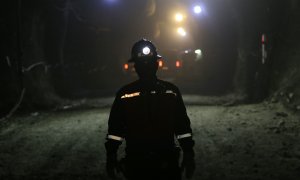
(146, 50)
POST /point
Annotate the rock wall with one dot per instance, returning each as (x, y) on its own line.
(285, 81)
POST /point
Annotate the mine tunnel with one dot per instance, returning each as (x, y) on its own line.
(236, 64)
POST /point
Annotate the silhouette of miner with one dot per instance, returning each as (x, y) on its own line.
(150, 115)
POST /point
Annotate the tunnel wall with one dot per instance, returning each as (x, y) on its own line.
(277, 78)
(285, 81)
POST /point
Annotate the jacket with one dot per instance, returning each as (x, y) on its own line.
(148, 115)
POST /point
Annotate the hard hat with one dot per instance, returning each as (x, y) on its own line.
(143, 49)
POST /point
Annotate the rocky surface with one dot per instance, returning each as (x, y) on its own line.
(257, 141)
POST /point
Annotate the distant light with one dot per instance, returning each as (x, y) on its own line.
(146, 50)
(177, 64)
(186, 51)
(178, 17)
(199, 54)
(160, 63)
(126, 66)
(197, 9)
(198, 51)
(181, 31)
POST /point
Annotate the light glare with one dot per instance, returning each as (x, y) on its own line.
(197, 9)
(126, 66)
(160, 63)
(178, 17)
(181, 31)
(198, 51)
(177, 64)
(146, 50)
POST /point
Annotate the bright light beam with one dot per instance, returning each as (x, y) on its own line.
(146, 50)
(197, 9)
(181, 31)
(178, 17)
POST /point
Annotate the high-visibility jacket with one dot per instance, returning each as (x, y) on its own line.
(149, 116)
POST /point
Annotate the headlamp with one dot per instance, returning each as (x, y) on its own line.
(143, 50)
(146, 50)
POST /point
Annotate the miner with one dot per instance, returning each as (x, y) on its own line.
(149, 114)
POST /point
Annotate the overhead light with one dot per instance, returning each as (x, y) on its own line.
(178, 17)
(197, 9)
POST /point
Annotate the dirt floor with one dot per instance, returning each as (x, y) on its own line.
(257, 141)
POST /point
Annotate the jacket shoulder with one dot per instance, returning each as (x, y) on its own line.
(127, 88)
(168, 85)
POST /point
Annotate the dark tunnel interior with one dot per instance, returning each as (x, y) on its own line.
(236, 64)
(81, 43)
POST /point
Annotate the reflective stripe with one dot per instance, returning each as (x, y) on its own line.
(130, 95)
(184, 135)
(170, 92)
(117, 138)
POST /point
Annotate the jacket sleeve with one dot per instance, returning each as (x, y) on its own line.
(116, 127)
(183, 129)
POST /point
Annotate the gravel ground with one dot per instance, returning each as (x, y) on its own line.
(256, 141)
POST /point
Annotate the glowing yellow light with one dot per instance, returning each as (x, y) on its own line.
(178, 17)
(181, 31)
